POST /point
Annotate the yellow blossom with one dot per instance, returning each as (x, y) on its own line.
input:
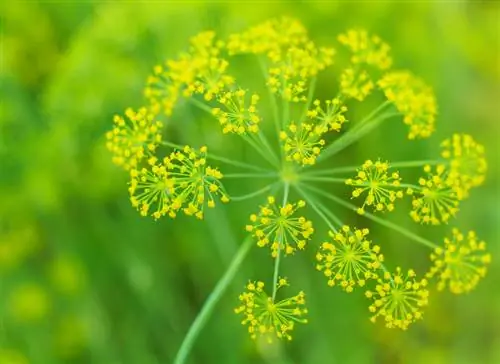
(331, 117)
(381, 188)
(132, 140)
(398, 298)
(267, 318)
(237, 114)
(302, 143)
(414, 99)
(461, 263)
(436, 200)
(275, 225)
(349, 259)
(467, 162)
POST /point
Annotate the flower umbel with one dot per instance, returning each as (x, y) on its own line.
(399, 298)
(132, 140)
(467, 162)
(461, 263)
(267, 318)
(349, 259)
(381, 188)
(237, 115)
(414, 99)
(437, 200)
(276, 225)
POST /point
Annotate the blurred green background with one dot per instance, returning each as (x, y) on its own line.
(85, 279)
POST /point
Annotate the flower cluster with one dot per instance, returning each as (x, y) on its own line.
(437, 200)
(414, 99)
(167, 178)
(461, 263)
(275, 226)
(132, 140)
(349, 259)
(181, 181)
(381, 188)
(399, 298)
(467, 162)
(268, 318)
(355, 80)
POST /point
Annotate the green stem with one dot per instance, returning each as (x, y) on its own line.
(313, 203)
(266, 144)
(253, 194)
(353, 135)
(219, 158)
(277, 262)
(272, 97)
(322, 179)
(411, 164)
(310, 95)
(211, 301)
(201, 105)
(374, 218)
(263, 154)
(251, 175)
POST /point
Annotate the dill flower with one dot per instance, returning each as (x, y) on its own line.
(275, 225)
(398, 298)
(381, 188)
(366, 50)
(302, 143)
(181, 181)
(237, 117)
(331, 117)
(414, 99)
(268, 318)
(436, 200)
(461, 263)
(134, 140)
(467, 162)
(349, 259)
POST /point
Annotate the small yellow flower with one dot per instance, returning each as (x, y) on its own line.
(349, 259)
(381, 188)
(414, 99)
(461, 263)
(366, 49)
(398, 298)
(237, 114)
(275, 225)
(330, 117)
(437, 200)
(302, 143)
(131, 141)
(267, 318)
(181, 181)
(467, 162)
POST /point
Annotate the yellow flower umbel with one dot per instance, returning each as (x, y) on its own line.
(182, 181)
(330, 118)
(436, 201)
(234, 115)
(349, 259)
(467, 162)
(302, 143)
(461, 263)
(366, 50)
(130, 141)
(276, 225)
(291, 59)
(414, 99)
(381, 188)
(267, 318)
(399, 298)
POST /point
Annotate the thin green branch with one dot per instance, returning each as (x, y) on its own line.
(306, 177)
(374, 218)
(411, 164)
(277, 261)
(263, 154)
(219, 158)
(252, 194)
(251, 175)
(310, 96)
(313, 203)
(211, 302)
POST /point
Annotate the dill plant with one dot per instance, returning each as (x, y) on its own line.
(167, 179)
